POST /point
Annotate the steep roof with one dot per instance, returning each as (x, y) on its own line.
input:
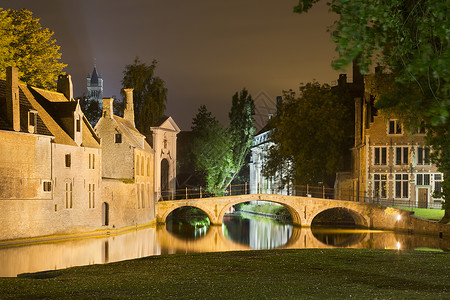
(94, 76)
(127, 128)
(54, 115)
(25, 106)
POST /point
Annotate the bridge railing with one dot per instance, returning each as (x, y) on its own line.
(292, 190)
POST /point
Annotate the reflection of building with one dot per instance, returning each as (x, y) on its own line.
(389, 164)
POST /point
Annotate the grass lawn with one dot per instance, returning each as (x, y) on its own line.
(427, 214)
(275, 274)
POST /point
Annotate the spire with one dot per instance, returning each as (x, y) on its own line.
(94, 76)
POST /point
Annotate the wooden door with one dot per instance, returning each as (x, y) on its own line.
(422, 198)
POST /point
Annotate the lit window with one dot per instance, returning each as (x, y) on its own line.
(401, 185)
(395, 127)
(380, 156)
(380, 185)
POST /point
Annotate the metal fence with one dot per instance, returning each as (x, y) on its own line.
(293, 190)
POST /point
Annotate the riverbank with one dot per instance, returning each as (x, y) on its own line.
(294, 274)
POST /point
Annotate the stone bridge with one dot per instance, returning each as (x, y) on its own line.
(302, 209)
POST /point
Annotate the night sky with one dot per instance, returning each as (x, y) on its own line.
(206, 50)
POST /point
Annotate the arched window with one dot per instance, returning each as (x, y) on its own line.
(142, 166)
(137, 164)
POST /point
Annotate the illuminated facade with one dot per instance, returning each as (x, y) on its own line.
(389, 164)
(60, 176)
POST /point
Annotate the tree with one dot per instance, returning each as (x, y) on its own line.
(91, 109)
(309, 134)
(149, 94)
(220, 152)
(211, 149)
(29, 47)
(242, 128)
(410, 39)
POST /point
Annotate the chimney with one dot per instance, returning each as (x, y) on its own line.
(108, 108)
(12, 98)
(65, 86)
(128, 113)
(342, 80)
(357, 76)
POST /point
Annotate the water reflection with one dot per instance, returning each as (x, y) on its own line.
(256, 232)
(253, 233)
(339, 237)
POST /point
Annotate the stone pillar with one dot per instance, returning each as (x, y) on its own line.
(128, 113)
(12, 98)
(65, 86)
(108, 111)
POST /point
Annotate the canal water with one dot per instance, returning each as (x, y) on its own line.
(238, 232)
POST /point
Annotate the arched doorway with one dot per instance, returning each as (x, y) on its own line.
(165, 193)
(105, 214)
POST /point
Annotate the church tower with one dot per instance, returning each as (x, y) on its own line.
(95, 86)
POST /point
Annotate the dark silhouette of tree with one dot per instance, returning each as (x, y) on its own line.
(149, 94)
(309, 134)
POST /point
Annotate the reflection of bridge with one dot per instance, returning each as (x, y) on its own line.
(302, 238)
(302, 209)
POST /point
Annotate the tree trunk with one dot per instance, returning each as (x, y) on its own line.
(446, 218)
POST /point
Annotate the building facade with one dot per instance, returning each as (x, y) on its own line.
(49, 162)
(389, 164)
(60, 176)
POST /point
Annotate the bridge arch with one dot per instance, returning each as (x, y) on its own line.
(296, 219)
(208, 213)
(358, 218)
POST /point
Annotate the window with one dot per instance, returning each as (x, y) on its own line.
(91, 195)
(380, 156)
(91, 161)
(401, 185)
(68, 194)
(118, 138)
(423, 156)
(78, 125)
(68, 161)
(423, 179)
(437, 185)
(32, 121)
(421, 129)
(401, 155)
(142, 196)
(395, 127)
(47, 186)
(380, 185)
(148, 167)
(142, 166)
(138, 186)
(137, 165)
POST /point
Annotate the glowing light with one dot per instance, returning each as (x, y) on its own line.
(398, 245)
(399, 217)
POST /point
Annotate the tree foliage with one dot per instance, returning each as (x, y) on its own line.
(309, 134)
(29, 47)
(149, 94)
(411, 39)
(219, 152)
